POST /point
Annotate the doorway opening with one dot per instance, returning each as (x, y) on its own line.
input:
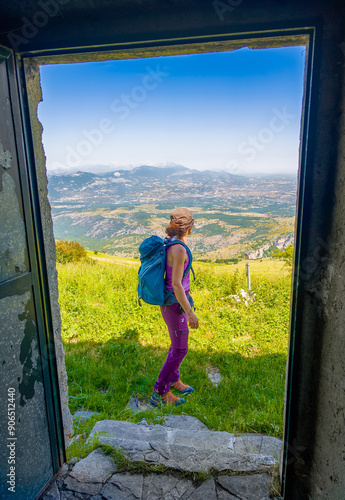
(134, 344)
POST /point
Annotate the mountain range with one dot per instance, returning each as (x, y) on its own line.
(115, 211)
(152, 184)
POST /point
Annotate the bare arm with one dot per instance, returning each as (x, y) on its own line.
(178, 258)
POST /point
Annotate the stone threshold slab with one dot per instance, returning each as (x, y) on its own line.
(191, 448)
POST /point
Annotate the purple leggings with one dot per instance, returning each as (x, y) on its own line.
(178, 330)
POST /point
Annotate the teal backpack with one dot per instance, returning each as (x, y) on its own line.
(151, 287)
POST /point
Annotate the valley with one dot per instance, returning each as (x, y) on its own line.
(235, 216)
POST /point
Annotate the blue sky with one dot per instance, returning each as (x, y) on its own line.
(236, 111)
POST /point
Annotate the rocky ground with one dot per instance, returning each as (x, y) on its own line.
(235, 467)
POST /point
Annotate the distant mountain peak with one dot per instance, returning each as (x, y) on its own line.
(103, 170)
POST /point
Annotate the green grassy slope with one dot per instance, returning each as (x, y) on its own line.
(115, 349)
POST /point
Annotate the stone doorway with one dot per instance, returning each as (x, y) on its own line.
(31, 66)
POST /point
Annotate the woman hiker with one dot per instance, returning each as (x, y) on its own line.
(177, 316)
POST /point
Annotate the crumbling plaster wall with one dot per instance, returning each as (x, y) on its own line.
(35, 97)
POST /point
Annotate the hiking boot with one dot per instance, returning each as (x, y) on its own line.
(182, 388)
(157, 399)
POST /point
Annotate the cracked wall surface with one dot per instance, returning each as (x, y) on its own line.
(13, 239)
(21, 371)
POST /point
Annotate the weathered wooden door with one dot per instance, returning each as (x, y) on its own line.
(32, 447)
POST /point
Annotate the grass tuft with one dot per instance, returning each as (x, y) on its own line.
(82, 448)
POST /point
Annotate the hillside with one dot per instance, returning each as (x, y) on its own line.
(115, 211)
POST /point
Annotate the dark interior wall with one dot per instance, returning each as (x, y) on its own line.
(317, 407)
(43, 24)
(318, 468)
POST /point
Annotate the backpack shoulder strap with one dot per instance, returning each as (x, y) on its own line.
(189, 267)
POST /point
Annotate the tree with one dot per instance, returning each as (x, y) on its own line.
(286, 254)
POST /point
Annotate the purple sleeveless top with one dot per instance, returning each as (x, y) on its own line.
(168, 277)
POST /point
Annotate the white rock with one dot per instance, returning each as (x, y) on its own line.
(213, 374)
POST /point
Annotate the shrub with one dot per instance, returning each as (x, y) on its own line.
(69, 251)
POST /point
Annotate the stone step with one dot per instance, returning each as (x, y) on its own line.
(184, 443)
(95, 478)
